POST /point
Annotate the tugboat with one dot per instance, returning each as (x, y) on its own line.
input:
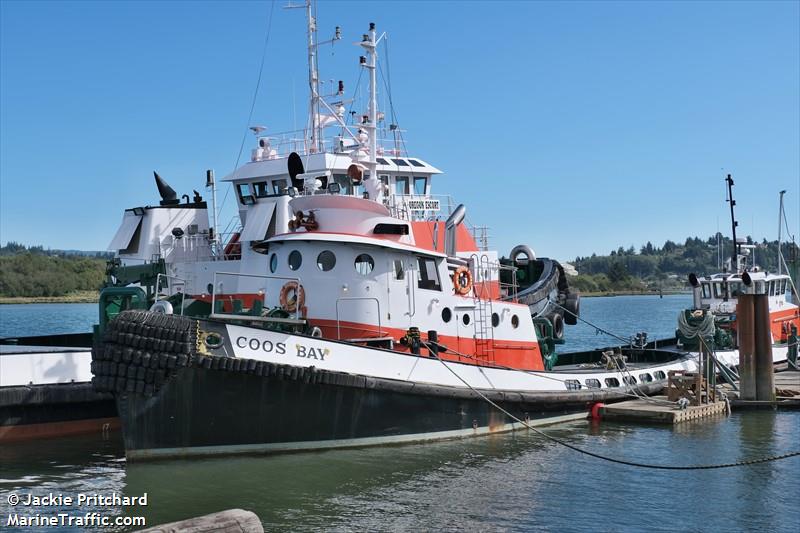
(344, 311)
(713, 315)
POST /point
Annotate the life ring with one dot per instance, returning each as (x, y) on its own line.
(462, 280)
(292, 296)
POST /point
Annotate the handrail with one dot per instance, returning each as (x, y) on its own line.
(353, 298)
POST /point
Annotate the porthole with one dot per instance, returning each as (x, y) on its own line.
(447, 314)
(465, 319)
(592, 383)
(629, 380)
(659, 375)
(645, 378)
(295, 260)
(612, 382)
(273, 263)
(495, 320)
(572, 384)
(514, 321)
(326, 260)
(364, 264)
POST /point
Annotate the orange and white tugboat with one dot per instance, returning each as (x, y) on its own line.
(342, 312)
(713, 314)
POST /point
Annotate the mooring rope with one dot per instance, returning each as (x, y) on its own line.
(596, 328)
(605, 457)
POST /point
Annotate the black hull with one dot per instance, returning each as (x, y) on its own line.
(201, 411)
(175, 401)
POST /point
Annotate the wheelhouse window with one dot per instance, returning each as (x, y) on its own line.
(278, 186)
(420, 185)
(364, 264)
(345, 186)
(706, 290)
(400, 162)
(428, 274)
(718, 291)
(261, 189)
(245, 196)
(415, 163)
(401, 185)
(736, 289)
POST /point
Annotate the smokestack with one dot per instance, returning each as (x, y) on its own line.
(450, 230)
(168, 194)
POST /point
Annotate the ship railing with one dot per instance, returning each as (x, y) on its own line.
(195, 247)
(255, 313)
(379, 336)
(485, 271)
(281, 144)
(174, 285)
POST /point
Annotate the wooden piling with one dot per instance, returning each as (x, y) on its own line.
(764, 371)
(745, 323)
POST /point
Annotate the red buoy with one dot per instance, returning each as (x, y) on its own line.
(594, 413)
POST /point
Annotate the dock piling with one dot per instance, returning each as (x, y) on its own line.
(765, 374)
(745, 317)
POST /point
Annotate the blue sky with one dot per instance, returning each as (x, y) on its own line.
(575, 127)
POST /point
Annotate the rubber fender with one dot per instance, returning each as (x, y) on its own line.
(573, 305)
(558, 325)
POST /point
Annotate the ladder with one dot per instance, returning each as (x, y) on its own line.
(484, 332)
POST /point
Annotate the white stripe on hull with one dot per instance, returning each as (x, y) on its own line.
(283, 348)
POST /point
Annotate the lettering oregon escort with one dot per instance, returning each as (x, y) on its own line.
(280, 348)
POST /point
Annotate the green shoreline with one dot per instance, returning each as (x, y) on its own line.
(79, 297)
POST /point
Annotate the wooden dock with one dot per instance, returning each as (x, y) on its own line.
(787, 386)
(659, 411)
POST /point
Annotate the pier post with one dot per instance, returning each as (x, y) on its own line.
(745, 325)
(765, 375)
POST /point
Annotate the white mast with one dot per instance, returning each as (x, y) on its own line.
(370, 44)
(313, 80)
(780, 227)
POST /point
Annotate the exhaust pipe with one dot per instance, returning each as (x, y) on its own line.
(450, 229)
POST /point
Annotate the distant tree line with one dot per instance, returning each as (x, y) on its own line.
(33, 271)
(667, 267)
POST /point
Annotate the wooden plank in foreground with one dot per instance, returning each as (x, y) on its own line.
(230, 521)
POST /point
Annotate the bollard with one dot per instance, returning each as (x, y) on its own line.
(433, 343)
(745, 324)
(765, 374)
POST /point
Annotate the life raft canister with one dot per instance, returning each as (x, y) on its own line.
(462, 280)
(292, 296)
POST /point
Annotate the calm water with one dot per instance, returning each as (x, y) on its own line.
(23, 320)
(518, 482)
